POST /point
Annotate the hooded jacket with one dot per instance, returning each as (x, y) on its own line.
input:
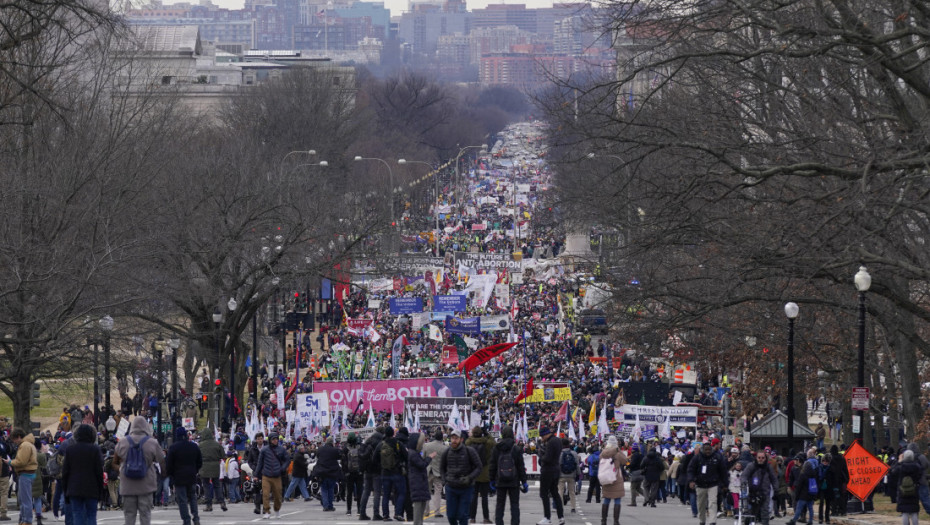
(484, 446)
(921, 460)
(26, 461)
(760, 478)
(82, 469)
(212, 455)
(507, 446)
(615, 489)
(549, 459)
(416, 468)
(653, 466)
(184, 460)
(139, 429)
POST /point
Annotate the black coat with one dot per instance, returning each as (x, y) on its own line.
(905, 504)
(183, 462)
(653, 466)
(506, 446)
(300, 465)
(416, 472)
(82, 471)
(549, 460)
(327, 463)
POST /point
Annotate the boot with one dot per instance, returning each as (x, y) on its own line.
(209, 507)
(38, 520)
(223, 506)
(617, 514)
(605, 509)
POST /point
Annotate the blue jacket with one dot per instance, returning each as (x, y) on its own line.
(593, 461)
(272, 461)
(416, 471)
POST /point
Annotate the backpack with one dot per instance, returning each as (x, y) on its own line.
(388, 457)
(365, 456)
(907, 488)
(506, 469)
(53, 466)
(607, 474)
(812, 485)
(354, 460)
(568, 464)
(136, 467)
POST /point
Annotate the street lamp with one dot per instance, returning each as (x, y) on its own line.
(482, 147)
(791, 311)
(106, 323)
(391, 177)
(217, 319)
(436, 202)
(174, 343)
(232, 304)
(863, 282)
(159, 346)
(310, 152)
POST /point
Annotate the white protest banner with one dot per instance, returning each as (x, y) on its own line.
(313, 407)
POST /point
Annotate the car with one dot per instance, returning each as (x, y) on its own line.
(593, 320)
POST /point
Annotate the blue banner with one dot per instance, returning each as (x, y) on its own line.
(326, 289)
(469, 325)
(406, 305)
(449, 303)
(648, 433)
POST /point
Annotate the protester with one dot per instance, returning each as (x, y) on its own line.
(393, 457)
(82, 476)
(760, 479)
(654, 468)
(828, 488)
(549, 472)
(25, 465)
(806, 487)
(594, 486)
(138, 488)
(417, 477)
(706, 473)
(370, 457)
(251, 461)
(352, 470)
(299, 465)
(272, 464)
(613, 459)
(328, 471)
(230, 473)
(183, 462)
(569, 471)
(904, 482)
(459, 468)
(636, 474)
(508, 476)
(483, 444)
(436, 448)
(210, 472)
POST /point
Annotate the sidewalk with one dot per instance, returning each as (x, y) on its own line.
(866, 519)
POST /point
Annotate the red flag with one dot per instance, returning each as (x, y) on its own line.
(563, 412)
(484, 355)
(527, 391)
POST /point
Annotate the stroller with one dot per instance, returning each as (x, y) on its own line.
(753, 507)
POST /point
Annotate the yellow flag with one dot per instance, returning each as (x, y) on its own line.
(592, 420)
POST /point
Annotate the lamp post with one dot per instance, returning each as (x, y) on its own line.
(436, 201)
(106, 323)
(159, 346)
(174, 343)
(310, 152)
(96, 385)
(217, 320)
(791, 311)
(232, 304)
(863, 282)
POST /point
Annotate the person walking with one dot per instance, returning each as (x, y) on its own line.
(210, 471)
(437, 447)
(299, 465)
(370, 459)
(828, 488)
(594, 485)
(508, 477)
(549, 472)
(653, 468)
(923, 489)
(904, 482)
(417, 476)
(82, 476)
(761, 481)
(707, 472)
(251, 460)
(25, 465)
(183, 462)
(230, 474)
(569, 470)
(352, 471)
(636, 474)
(272, 464)
(329, 472)
(459, 467)
(612, 458)
(484, 446)
(393, 460)
(805, 491)
(821, 434)
(138, 488)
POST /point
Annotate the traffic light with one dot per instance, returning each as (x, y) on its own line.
(203, 398)
(35, 395)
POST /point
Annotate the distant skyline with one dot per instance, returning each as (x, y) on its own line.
(397, 6)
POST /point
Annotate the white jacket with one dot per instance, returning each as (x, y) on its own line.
(229, 468)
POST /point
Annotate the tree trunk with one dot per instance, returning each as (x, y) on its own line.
(22, 402)
(878, 399)
(906, 356)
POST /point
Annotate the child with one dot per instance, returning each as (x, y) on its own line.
(734, 486)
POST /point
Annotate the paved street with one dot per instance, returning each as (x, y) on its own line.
(302, 513)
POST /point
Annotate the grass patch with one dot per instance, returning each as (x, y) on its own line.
(53, 396)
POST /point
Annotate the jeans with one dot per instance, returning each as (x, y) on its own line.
(549, 488)
(214, 488)
(503, 494)
(232, 489)
(297, 483)
(84, 511)
(458, 502)
(800, 507)
(353, 485)
(923, 491)
(24, 491)
(482, 489)
(187, 503)
(372, 485)
(327, 487)
(398, 484)
(692, 498)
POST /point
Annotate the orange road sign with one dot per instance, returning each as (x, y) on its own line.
(865, 471)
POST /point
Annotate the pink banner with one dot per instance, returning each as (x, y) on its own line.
(383, 394)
